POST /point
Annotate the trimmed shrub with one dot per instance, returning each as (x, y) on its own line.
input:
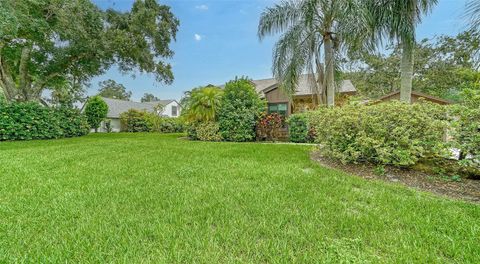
(72, 122)
(299, 129)
(191, 130)
(208, 131)
(142, 121)
(26, 121)
(135, 121)
(269, 126)
(388, 133)
(240, 109)
(166, 124)
(96, 111)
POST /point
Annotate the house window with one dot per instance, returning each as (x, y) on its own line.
(174, 110)
(281, 108)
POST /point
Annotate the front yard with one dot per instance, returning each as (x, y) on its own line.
(155, 198)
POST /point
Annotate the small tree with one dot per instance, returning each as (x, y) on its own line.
(240, 109)
(96, 111)
(114, 90)
(148, 97)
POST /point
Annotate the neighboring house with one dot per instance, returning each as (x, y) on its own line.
(302, 100)
(416, 96)
(171, 108)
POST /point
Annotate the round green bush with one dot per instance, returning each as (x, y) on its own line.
(135, 121)
(240, 109)
(299, 129)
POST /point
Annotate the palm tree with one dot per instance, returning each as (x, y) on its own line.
(201, 104)
(397, 20)
(473, 14)
(307, 25)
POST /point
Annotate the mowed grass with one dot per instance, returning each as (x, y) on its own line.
(150, 198)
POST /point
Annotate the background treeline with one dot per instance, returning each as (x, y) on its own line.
(444, 66)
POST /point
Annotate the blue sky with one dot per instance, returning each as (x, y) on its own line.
(217, 41)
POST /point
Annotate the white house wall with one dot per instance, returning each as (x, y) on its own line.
(167, 110)
(114, 124)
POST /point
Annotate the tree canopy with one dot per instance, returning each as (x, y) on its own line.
(444, 67)
(148, 97)
(53, 44)
(114, 90)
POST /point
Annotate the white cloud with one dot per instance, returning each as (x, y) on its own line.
(202, 7)
(197, 37)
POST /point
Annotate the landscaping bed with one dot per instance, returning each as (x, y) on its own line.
(458, 188)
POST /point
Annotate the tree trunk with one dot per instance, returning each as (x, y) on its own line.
(321, 96)
(406, 68)
(6, 80)
(24, 79)
(329, 70)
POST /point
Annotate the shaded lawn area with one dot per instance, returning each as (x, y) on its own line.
(154, 198)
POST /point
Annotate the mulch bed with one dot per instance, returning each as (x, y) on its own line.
(465, 189)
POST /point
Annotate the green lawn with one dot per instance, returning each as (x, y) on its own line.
(140, 198)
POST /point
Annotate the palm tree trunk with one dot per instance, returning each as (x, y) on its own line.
(321, 96)
(329, 70)
(406, 68)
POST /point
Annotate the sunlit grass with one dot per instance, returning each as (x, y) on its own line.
(139, 198)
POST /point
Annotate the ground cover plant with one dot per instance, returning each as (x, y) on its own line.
(153, 198)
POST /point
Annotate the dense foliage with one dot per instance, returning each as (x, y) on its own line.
(148, 97)
(142, 121)
(208, 131)
(269, 125)
(202, 104)
(444, 67)
(96, 111)
(467, 129)
(299, 128)
(165, 124)
(389, 133)
(25, 121)
(239, 111)
(114, 90)
(61, 45)
(135, 121)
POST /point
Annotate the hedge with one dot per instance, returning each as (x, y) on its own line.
(142, 121)
(388, 133)
(27, 121)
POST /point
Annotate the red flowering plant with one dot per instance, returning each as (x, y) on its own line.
(269, 125)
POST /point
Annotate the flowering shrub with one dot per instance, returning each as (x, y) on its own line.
(269, 125)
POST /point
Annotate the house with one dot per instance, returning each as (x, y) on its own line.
(170, 108)
(302, 100)
(416, 96)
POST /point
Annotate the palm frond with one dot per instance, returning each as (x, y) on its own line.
(473, 14)
(279, 18)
